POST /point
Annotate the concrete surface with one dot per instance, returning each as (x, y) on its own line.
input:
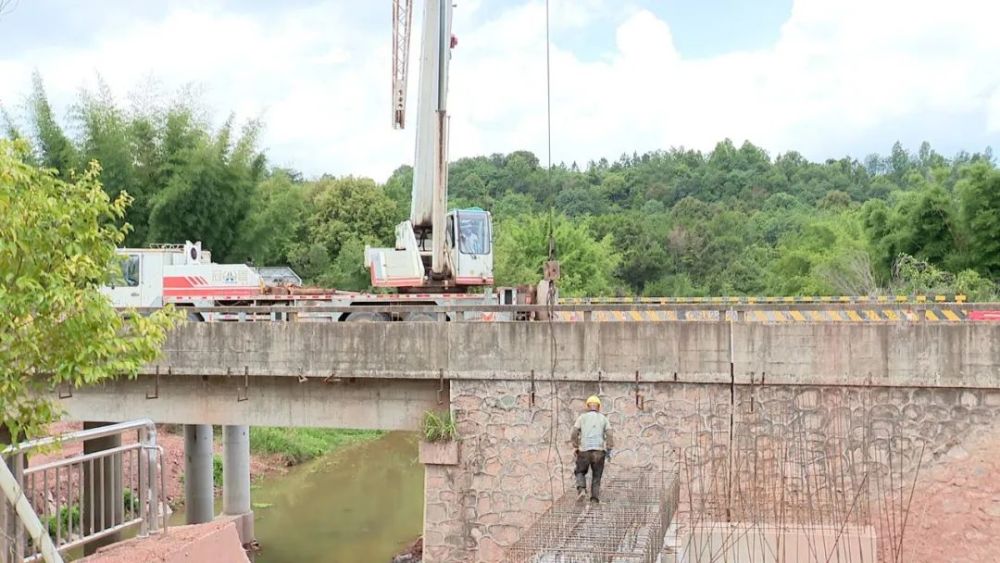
(935, 386)
(515, 457)
(216, 542)
(269, 401)
(905, 353)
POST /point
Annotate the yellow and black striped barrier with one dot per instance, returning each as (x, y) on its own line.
(942, 313)
(750, 300)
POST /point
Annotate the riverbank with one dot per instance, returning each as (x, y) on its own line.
(412, 554)
(272, 451)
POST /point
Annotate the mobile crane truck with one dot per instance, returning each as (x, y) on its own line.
(440, 257)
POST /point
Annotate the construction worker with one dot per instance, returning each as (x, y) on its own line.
(592, 443)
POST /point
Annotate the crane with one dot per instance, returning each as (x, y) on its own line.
(436, 249)
(439, 256)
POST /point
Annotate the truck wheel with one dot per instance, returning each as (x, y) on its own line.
(367, 317)
(432, 317)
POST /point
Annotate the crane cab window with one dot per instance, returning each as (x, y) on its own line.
(127, 275)
(473, 233)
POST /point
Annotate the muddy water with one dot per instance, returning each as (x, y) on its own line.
(362, 504)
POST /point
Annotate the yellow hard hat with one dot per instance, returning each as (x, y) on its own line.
(594, 400)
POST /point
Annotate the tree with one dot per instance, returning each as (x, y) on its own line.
(924, 225)
(979, 191)
(105, 138)
(347, 271)
(209, 190)
(57, 152)
(275, 223)
(350, 208)
(7, 6)
(586, 264)
(57, 245)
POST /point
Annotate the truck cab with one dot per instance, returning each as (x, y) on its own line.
(140, 280)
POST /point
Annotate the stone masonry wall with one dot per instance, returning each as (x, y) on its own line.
(514, 454)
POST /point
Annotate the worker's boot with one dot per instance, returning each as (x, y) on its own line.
(595, 491)
(581, 493)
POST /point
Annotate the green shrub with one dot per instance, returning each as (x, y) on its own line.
(298, 445)
(217, 470)
(438, 426)
(67, 514)
(131, 502)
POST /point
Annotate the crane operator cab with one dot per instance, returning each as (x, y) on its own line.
(467, 255)
(469, 246)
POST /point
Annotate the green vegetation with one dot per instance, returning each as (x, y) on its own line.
(438, 427)
(131, 502)
(57, 245)
(731, 221)
(217, 470)
(298, 445)
(66, 516)
(71, 514)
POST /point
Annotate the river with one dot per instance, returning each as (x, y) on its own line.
(362, 504)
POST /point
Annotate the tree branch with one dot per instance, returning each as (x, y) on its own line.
(7, 6)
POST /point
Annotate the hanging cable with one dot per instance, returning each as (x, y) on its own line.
(550, 286)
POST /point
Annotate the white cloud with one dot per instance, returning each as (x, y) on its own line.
(839, 72)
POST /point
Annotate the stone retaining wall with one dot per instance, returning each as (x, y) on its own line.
(514, 455)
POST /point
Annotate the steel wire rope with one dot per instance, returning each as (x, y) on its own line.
(550, 288)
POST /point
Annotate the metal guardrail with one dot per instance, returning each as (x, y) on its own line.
(576, 308)
(70, 497)
(784, 312)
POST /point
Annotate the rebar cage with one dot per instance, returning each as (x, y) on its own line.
(627, 526)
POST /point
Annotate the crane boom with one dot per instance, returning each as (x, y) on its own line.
(430, 165)
(402, 17)
(436, 249)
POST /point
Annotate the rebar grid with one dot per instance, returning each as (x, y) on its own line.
(627, 526)
(826, 480)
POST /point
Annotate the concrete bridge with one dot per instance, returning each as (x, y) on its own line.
(931, 389)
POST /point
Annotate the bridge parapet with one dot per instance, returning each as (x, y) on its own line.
(890, 354)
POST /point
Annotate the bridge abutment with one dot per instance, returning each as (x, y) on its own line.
(515, 457)
(669, 387)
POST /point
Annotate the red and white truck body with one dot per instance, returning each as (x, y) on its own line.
(185, 276)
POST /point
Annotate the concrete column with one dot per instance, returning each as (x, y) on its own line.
(236, 479)
(105, 507)
(199, 489)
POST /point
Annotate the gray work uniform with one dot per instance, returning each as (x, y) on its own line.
(592, 438)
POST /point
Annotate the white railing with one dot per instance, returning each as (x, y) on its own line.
(53, 507)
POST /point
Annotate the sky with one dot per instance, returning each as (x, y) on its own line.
(827, 78)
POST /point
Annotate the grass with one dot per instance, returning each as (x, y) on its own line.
(216, 473)
(438, 426)
(217, 470)
(298, 445)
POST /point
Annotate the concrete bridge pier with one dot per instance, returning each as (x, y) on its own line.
(199, 489)
(236, 480)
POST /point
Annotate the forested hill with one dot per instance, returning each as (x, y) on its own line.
(732, 221)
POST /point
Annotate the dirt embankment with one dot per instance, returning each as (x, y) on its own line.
(171, 439)
(955, 514)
